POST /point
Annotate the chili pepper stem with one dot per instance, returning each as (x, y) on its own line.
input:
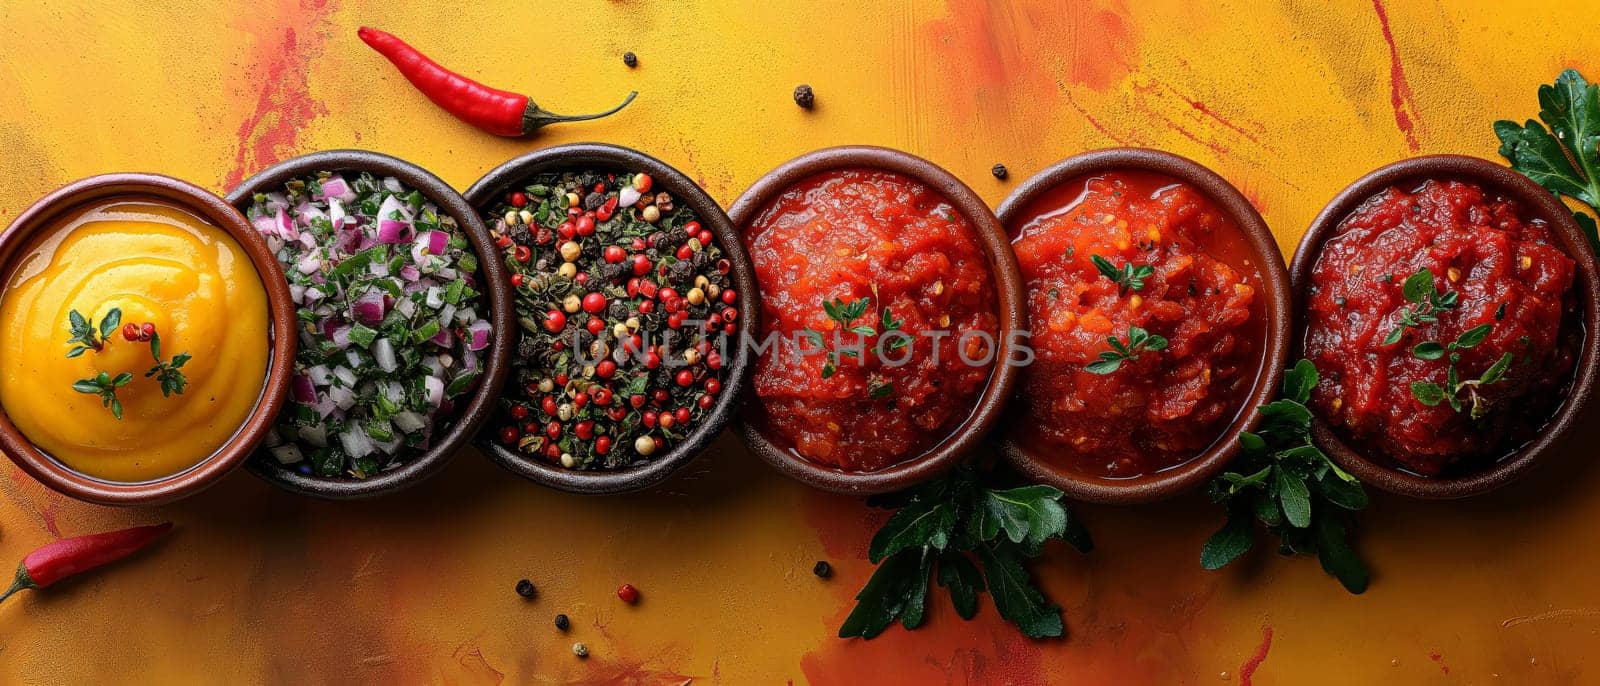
(22, 583)
(537, 116)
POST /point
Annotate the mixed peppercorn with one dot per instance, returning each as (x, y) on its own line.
(626, 310)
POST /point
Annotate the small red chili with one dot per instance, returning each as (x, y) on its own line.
(594, 303)
(647, 307)
(605, 369)
(641, 265)
(682, 415)
(595, 325)
(728, 296)
(636, 400)
(617, 413)
(602, 445)
(633, 288)
(584, 429)
(648, 418)
(714, 360)
(643, 182)
(685, 377)
(684, 252)
(523, 253)
(639, 244)
(615, 254)
(692, 227)
(606, 210)
(502, 241)
(519, 199)
(516, 280)
(713, 385)
(509, 435)
(675, 320)
(582, 278)
(602, 396)
(530, 428)
(499, 112)
(130, 332)
(561, 379)
(567, 230)
(730, 329)
(724, 266)
(661, 395)
(649, 289)
(549, 406)
(147, 331)
(519, 412)
(652, 361)
(553, 429)
(704, 237)
(70, 556)
(705, 402)
(585, 226)
(580, 399)
(552, 451)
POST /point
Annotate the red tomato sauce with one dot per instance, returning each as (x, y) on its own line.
(1166, 407)
(858, 234)
(1507, 272)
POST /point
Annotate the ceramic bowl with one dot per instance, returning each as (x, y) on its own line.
(42, 216)
(1274, 297)
(1011, 311)
(1539, 203)
(598, 156)
(493, 282)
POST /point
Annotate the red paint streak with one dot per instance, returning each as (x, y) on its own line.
(1400, 96)
(632, 673)
(1203, 109)
(1436, 657)
(1248, 669)
(283, 103)
(48, 514)
(1214, 146)
(1095, 122)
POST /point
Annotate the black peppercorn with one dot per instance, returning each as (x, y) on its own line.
(561, 620)
(804, 97)
(630, 59)
(520, 233)
(1000, 172)
(822, 569)
(593, 201)
(525, 588)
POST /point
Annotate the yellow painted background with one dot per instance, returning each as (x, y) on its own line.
(1290, 100)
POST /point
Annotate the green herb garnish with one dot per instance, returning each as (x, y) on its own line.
(1426, 304)
(1565, 158)
(844, 312)
(1284, 481)
(976, 537)
(1139, 341)
(86, 336)
(1431, 394)
(1129, 277)
(168, 373)
(106, 387)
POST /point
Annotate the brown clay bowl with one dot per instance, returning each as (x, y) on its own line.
(586, 156)
(1012, 315)
(42, 216)
(1275, 300)
(1539, 203)
(467, 419)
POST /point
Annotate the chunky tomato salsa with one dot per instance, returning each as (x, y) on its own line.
(1145, 322)
(881, 311)
(1443, 322)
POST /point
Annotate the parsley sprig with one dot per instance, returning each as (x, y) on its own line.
(168, 373)
(1129, 277)
(1284, 481)
(1426, 304)
(845, 313)
(1431, 394)
(1139, 341)
(86, 336)
(105, 386)
(1565, 158)
(976, 535)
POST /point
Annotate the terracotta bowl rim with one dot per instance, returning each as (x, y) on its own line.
(421, 467)
(1542, 204)
(1275, 281)
(275, 383)
(586, 156)
(986, 412)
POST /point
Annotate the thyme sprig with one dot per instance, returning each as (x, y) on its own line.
(1139, 341)
(105, 386)
(1129, 277)
(844, 313)
(168, 373)
(1426, 304)
(1432, 394)
(86, 336)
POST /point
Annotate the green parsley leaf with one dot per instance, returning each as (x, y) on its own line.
(1571, 109)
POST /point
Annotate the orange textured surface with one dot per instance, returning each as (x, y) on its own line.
(1289, 101)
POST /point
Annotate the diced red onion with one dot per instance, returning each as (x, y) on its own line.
(435, 388)
(356, 442)
(383, 352)
(478, 336)
(627, 196)
(309, 263)
(287, 454)
(297, 293)
(443, 339)
(286, 227)
(410, 273)
(345, 376)
(393, 185)
(343, 398)
(304, 392)
(335, 187)
(392, 231)
(435, 241)
(320, 375)
(368, 309)
(410, 422)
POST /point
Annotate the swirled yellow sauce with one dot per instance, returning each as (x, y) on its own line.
(159, 264)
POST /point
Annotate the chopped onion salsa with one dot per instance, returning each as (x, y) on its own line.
(626, 309)
(392, 327)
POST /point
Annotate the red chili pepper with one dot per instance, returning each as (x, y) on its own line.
(499, 112)
(70, 556)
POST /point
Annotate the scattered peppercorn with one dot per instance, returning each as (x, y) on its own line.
(525, 588)
(630, 59)
(562, 622)
(628, 594)
(1000, 172)
(804, 97)
(580, 650)
(822, 569)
